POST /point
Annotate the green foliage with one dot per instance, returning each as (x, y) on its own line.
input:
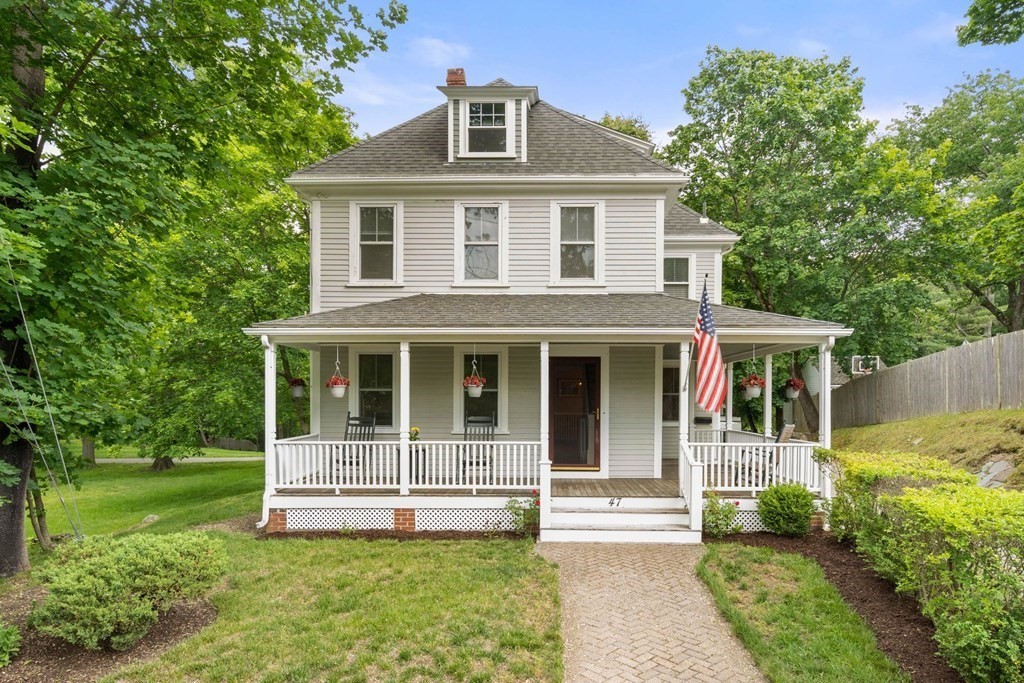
(719, 516)
(786, 509)
(791, 619)
(633, 125)
(108, 592)
(860, 477)
(525, 512)
(10, 644)
(831, 222)
(992, 21)
(957, 547)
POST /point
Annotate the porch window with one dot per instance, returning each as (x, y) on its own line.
(488, 366)
(481, 232)
(376, 244)
(377, 387)
(576, 244)
(487, 129)
(670, 394)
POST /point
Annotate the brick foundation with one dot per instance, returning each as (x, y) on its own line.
(277, 522)
(818, 520)
(405, 519)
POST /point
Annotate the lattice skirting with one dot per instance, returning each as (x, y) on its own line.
(750, 521)
(307, 519)
(442, 519)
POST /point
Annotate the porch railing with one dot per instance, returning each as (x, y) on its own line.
(338, 465)
(751, 468)
(513, 465)
(306, 463)
(691, 485)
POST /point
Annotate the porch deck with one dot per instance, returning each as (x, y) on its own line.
(597, 488)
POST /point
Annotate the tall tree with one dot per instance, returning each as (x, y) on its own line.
(975, 140)
(633, 124)
(117, 103)
(992, 21)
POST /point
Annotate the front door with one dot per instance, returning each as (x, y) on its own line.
(575, 413)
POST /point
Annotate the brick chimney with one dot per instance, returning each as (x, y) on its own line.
(456, 76)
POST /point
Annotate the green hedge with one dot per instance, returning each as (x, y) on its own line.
(957, 547)
(108, 592)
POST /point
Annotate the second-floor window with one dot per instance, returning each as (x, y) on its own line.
(576, 243)
(376, 246)
(481, 242)
(487, 129)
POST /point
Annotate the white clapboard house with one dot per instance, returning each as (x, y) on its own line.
(499, 232)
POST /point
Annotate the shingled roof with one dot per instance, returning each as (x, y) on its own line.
(559, 143)
(682, 221)
(539, 311)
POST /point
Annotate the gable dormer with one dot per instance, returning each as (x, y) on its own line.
(487, 122)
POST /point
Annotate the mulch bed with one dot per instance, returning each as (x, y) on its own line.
(903, 633)
(43, 659)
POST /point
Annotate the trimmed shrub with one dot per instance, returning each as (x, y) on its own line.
(957, 547)
(10, 644)
(786, 509)
(719, 516)
(108, 592)
(859, 478)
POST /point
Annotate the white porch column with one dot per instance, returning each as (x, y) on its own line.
(768, 396)
(269, 424)
(405, 403)
(684, 401)
(314, 392)
(545, 435)
(825, 394)
(728, 395)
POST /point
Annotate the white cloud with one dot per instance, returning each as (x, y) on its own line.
(365, 87)
(437, 52)
(807, 47)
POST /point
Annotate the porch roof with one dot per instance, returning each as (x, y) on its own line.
(543, 312)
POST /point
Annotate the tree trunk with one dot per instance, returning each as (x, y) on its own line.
(30, 79)
(300, 405)
(806, 401)
(164, 462)
(37, 513)
(1015, 306)
(88, 450)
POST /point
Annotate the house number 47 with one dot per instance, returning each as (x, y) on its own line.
(614, 502)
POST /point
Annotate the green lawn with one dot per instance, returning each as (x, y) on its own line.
(964, 439)
(118, 451)
(791, 619)
(334, 609)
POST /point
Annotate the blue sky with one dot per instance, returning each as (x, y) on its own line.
(635, 57)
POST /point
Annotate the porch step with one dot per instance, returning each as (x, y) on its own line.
(618, 517)
(617, 503)
(667, 533)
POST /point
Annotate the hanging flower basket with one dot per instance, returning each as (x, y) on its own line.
(337, 384)
(793, 387)
(298, 386)
(752, 386)
(474, 385)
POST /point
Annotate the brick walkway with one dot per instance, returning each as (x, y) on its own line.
(639, 613)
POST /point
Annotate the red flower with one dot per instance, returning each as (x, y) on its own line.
(736, 503)
(536, 503)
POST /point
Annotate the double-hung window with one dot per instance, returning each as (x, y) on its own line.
(480, 229)
(677, 276)
(576, 247)
(492, 365)
(488, 128)
(670, 394)
(376, 244)
(375, 387)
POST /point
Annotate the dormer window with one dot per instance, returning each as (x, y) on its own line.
(488, 128)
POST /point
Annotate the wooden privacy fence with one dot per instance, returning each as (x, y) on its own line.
(985, 375)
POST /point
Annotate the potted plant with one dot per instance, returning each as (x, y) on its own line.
(474, 385)
(752, 385)
(298, 386)
(337, 384)
(793, 388)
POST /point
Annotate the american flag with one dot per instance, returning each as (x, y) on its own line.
(711, 384)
